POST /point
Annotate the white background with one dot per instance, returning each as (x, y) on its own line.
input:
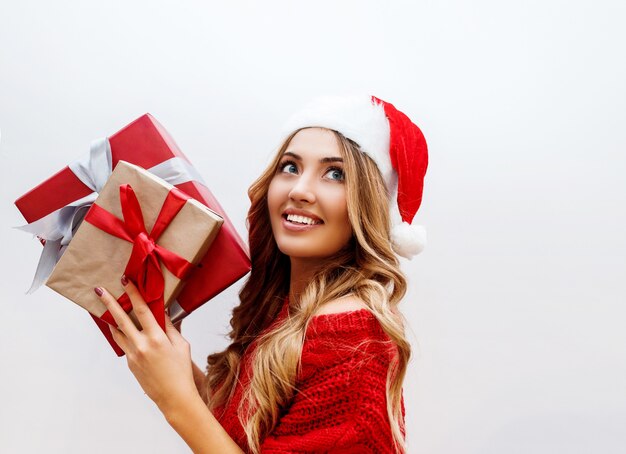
(516, 307)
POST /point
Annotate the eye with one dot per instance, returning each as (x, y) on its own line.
(288, 167)
(335, 173)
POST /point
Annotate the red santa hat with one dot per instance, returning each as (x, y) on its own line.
(396, 145)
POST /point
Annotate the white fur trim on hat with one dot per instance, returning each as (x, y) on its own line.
(408, 240)
(356, 117)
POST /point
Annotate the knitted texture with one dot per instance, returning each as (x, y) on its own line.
(340, 404)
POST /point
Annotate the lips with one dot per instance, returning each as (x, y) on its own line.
(301, 217)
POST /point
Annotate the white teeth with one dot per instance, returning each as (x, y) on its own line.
(300, 219)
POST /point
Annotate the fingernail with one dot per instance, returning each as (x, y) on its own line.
(124, 280)
(98, 291)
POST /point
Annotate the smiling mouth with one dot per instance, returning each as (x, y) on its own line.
(301, 220)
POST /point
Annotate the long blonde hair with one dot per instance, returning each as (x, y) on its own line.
(365, 267)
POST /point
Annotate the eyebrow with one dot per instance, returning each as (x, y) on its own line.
(323, 160)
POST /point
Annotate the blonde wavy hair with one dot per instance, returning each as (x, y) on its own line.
(366, 267)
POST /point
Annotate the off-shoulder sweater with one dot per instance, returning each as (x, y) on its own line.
(340, 404)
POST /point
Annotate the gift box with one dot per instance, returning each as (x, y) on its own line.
(147, 144)
(139, 226)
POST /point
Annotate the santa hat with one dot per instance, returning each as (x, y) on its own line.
(396, 145)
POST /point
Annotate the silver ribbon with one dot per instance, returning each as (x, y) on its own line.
(94, 169)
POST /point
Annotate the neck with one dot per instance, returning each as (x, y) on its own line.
(302, 272)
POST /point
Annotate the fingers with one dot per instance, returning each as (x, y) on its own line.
(140, 308)
(126, 335)
(124, 323)
(119, 338)
(171, 331)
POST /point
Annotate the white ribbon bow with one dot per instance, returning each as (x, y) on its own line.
(94, 169)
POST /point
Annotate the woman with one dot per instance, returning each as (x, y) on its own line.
(318, 352)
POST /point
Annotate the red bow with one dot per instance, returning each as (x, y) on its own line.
(144, 264)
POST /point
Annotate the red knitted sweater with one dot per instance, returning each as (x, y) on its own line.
(340, 405)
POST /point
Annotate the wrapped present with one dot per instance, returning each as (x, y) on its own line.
(139, 226)
(55, 208)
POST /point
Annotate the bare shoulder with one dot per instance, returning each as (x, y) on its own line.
(344, 304)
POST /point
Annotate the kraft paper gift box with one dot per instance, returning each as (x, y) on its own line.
(139, 226)
(146, 143)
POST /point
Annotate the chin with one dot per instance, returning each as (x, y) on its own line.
(303, 253)
(309, 251)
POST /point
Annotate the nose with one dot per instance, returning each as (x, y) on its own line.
(303, 190)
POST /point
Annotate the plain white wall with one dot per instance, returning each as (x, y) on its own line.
(517, 305)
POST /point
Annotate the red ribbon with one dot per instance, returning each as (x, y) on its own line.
(144, 264)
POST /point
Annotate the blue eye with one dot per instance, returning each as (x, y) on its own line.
(288, 167)
(335, 174)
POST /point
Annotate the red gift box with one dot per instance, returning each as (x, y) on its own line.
(146, 143)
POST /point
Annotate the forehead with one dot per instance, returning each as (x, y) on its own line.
(315, 143)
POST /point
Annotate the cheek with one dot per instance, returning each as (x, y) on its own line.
(277, 195)
(341, 214)
(273, 197)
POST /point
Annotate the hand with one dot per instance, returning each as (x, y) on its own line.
(160, 361)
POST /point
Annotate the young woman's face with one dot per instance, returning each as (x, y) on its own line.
(307, 197)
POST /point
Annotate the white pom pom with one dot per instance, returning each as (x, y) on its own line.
(408, 240)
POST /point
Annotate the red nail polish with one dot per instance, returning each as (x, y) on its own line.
(124, 280)
(98, 291)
